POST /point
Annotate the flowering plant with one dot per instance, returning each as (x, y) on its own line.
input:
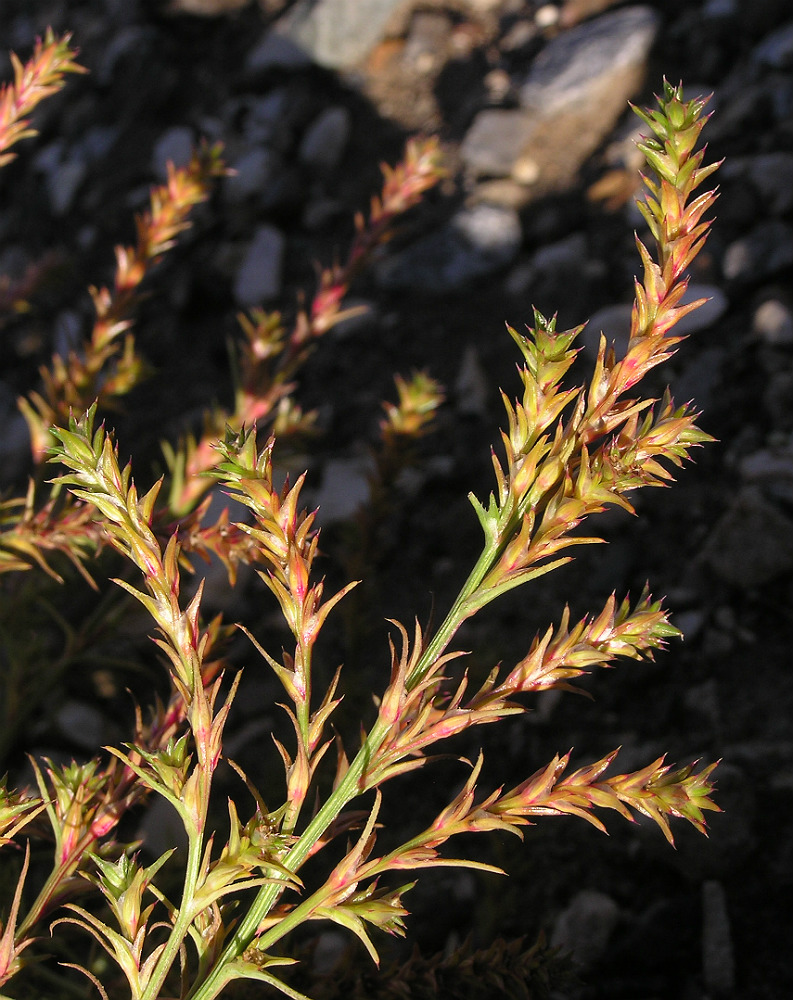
(568, 453)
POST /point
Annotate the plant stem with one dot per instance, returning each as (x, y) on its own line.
(182, 924)
(347, 789)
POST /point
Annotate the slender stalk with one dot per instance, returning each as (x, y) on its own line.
(347, 789)
(181, 927)
(459, 612)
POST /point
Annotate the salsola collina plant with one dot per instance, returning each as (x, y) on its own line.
(568, 453)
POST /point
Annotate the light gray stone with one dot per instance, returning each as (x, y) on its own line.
(427, 40)
(566, 255)
(707, 314)
(206, 8)
(64, 173)
(174, 146)
(259, 274)
(586, 926)
(718, 959)
(83, 724)
(571, 99)
(161, 828)
(264, 116)
(476, 242)
(98, 141)
(590, 57)
(701, 376)
(752, 543)
(492, 145)
(553, 264)
(776, 49)
(765, 251)
(325, 140)
(67, 332)
(275, 51)
(63, 184)
(717, 9)
(49, 157)
(773, 323)
(471, 387)
(771, 469)
(337, 34)
(343, 491)
(770, 174)
(252, 170)
(129, 39)
(614, 322)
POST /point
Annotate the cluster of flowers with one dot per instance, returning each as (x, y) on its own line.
(568, 453)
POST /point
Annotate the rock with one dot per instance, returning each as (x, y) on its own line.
(98, 141)
(337, 34)
(585, 927)
(771, 470)
(471, 387)
(702, 701)
(716, 9)
(571, 99)
(492, 145)
(14, 443)
(766, 250)
(161, 828)
(251, 173)
(64, 173)
(275, 51)
(773, 323)
(557, 272)
(259, 275)
(752, 543)
(614, 322)
(174, 146)
(707, 314)
(566, 256)
(601, 55)
(264, 116)
(737, 103)
(700, 378)
(328, 952)
(205, 8)
(718, 960)
(67, 332)
(343, 491)
(325, 140)
(476, 242)
(130, 39)
(63, 184)
(546, 16)
(427, 40)
(771, 176)
(778, 398)
(776, 49)
(82, 724)
(122, 11)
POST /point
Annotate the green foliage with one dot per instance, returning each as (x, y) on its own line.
(221, 912)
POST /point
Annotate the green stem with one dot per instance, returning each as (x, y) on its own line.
(463, 607)
(303, 716)
(347, 789)
(184, 918)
